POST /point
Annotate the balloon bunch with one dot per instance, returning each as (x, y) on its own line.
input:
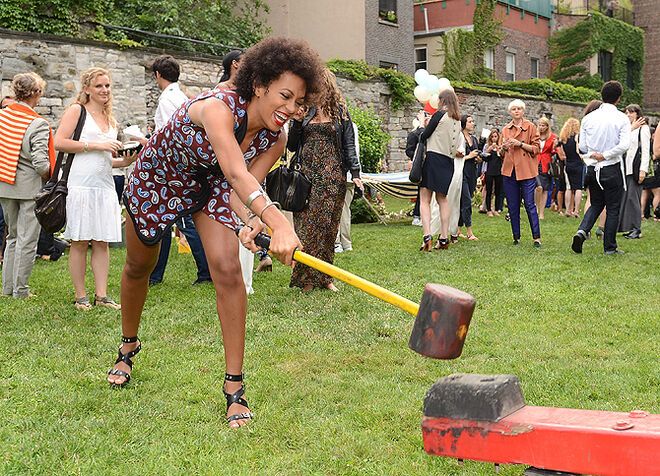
(429, 87)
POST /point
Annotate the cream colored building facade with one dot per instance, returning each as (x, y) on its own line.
(335, 28)
(350, 29)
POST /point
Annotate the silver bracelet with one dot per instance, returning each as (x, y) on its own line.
(269, 204)
(253, 196)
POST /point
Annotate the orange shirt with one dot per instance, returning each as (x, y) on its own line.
(524, 162)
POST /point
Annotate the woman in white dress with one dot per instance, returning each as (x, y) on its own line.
(92, 212)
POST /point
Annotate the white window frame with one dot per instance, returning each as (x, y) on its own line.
(538, 67)
(510, 75)
(426, 58)
(489, 59)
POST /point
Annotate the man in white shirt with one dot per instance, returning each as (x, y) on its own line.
(166, 73)
(604, 137)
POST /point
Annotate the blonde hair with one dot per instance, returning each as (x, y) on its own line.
(83, 98)
(516, 103)
(570, 128)
(447, 98)
(27, 85)
(332, 102)
(546, 121)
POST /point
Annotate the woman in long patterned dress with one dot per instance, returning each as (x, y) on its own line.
(208, 161)
(326, 141)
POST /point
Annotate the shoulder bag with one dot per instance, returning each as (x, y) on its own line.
(51, 200)
(419, 156)
(288, 185)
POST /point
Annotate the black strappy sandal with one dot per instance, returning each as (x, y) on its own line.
(236, 397)
(125, 358)
(427, 245)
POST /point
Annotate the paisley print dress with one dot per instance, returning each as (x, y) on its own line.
(177, 172)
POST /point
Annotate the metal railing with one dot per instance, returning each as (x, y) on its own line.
(542, 8)
(610, 8)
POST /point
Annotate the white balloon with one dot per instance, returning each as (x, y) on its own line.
(422, 94)
(432, 83)
(420, 76)
(434, 101)
(443, 83)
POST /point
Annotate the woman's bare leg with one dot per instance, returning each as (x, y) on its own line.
(78, 266)
(445, 213)
(425, 209)
(140, 262)
(100, 267)
(221, 248)
(577, 200)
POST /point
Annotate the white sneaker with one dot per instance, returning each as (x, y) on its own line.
(338, 248)
(417, 221)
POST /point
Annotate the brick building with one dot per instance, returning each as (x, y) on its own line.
(379, 32)
(647, 15)
(522, 54)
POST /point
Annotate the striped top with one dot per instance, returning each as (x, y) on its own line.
(14, 121)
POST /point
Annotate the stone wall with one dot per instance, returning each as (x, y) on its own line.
(60, 61)
(488, 110)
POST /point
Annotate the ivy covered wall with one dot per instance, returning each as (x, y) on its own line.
(572, 49)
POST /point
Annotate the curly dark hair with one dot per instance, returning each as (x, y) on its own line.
(266, 61)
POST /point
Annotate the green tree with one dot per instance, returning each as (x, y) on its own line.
(371, 136)
(221, 22)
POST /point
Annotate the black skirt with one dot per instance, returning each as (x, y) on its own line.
(437, 172)
(575, 177)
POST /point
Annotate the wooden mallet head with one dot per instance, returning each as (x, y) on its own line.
(442, 322)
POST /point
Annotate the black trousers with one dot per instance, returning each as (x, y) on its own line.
(606, 195)
(494, 183)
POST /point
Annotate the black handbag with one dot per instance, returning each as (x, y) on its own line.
(419, 156)
(50, 202)
(289, 186)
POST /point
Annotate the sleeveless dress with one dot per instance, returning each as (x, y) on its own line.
(317, 225)
(574, 165)
(177, 173)
(92, 210)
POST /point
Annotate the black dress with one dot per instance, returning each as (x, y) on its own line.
(574, 164)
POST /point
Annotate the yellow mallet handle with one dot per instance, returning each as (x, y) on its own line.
(358, 282)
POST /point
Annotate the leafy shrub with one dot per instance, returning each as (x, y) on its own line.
(401, 84)
(371, 136)
(361, 212)
(541, 87)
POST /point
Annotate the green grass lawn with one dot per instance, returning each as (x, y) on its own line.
(335, 389)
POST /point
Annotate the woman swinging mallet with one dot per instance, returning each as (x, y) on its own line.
(208, 161)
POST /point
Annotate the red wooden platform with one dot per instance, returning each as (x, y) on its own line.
(578, 441)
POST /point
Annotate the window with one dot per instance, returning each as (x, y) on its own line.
(605, 65)
(387, 10)
(631, 68)
(535, 68)
(420, 58)
(510, 67)
(489, 56)
(388, 65)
